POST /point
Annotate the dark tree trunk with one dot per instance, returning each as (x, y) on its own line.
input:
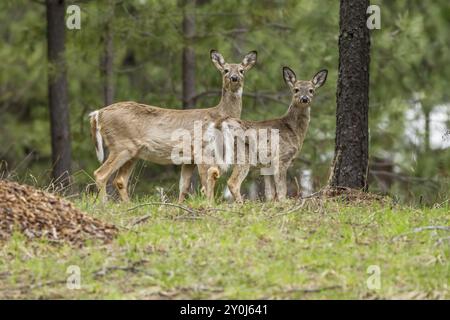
(57, 91)
(350, 162)
(188, 58)
(107, 59)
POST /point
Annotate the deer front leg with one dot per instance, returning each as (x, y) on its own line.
(280, 184)
(269, 188)
(237, 177)
(203, 174)
(185, 180)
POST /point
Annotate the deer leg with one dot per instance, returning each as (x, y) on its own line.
(269, 188)
(111, 165)
(237, 177)
(280, 184)
(185, 180)
(203, 173)
(213, 175)
(121, 180)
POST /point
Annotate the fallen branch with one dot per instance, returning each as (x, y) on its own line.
(309, 290)
(163, 204)
(225, 210)
(293, 209)
(133, 267)
(142, 219)
(148, 216)
(420, 229)
(34, 285)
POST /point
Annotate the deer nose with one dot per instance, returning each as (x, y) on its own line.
(304, 99)
(234, 78)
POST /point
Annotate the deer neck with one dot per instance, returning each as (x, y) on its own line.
(231, 102)
(297, 118)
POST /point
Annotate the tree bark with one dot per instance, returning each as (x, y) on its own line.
(188, 56)
(57, 91)
(107, 59)
(350, 162)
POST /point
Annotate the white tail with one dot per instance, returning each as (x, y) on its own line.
(97, 136)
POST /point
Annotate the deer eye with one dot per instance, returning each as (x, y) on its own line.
(226, 70)
(311, 91)
(241, 71)
(296, 90)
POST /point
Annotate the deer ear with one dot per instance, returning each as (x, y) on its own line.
(217, 59)
(289, 76)
(320, 78)
(249, 60)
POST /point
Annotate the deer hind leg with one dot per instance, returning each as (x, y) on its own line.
(213, 175)
(237, 177)
(280, 184)
(121, 180)
(269, 188)
(185, 180)
(111, 165)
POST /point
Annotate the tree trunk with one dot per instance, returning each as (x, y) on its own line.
(188, 58)
(350, 162)
(57, 91)
(107, 59)
(427, 138)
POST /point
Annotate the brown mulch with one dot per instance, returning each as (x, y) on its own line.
(39, 214)
(350, 195)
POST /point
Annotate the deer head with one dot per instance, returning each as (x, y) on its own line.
(303, 91)
(233, 73)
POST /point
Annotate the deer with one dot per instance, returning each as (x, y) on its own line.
(130, 130)
(288, 133)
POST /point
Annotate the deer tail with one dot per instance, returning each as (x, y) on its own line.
(97, 136)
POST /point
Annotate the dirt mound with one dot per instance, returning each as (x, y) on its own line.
(39, 214)
(350, 195)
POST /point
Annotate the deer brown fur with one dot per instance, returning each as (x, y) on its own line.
(132, 131)
(292, 129)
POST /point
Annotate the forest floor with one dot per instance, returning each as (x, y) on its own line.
(311, 249)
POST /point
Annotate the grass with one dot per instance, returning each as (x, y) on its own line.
(314, 250)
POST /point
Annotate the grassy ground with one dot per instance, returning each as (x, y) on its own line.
(311, 250)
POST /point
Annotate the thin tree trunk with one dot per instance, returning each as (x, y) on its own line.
(57, 91)
(350, 162)
(188, 63)
(188, 57)
(107, 59)
(427, 138)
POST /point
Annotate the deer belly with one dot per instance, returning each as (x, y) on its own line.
(164, 152)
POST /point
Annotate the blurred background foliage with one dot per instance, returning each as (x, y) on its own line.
(409, 97)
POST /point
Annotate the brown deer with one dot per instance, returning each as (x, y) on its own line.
(132, 131)
(285, 138)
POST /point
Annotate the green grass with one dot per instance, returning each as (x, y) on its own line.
(321, 250)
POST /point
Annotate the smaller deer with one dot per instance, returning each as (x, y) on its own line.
(290, 129)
